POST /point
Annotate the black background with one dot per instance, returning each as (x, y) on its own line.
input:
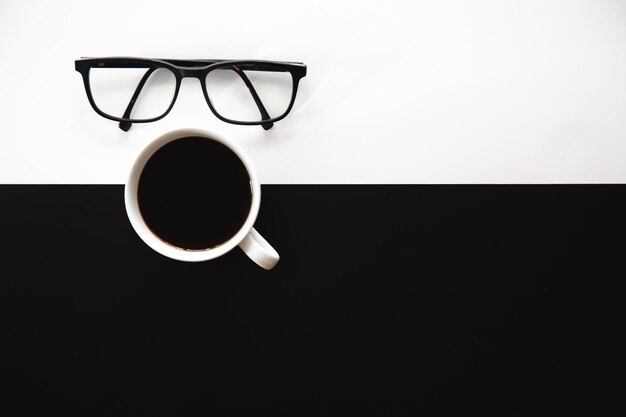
(388, 300)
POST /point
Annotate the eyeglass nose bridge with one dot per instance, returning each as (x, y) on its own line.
(191, 73)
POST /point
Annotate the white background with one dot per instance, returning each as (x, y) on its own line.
(484, 91)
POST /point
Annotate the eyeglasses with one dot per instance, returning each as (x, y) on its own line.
(140, 90)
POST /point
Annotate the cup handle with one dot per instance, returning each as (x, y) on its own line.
(257, 249)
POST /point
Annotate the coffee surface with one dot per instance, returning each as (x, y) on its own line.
(194, 193)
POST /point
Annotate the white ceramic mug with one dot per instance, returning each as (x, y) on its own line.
(248, 239)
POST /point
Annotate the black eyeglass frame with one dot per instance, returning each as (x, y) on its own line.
(193, 68)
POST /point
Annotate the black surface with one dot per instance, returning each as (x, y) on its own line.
(388, 300)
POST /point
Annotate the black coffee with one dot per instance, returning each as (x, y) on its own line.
(194, 193)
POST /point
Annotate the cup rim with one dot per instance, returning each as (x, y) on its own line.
(142, 229)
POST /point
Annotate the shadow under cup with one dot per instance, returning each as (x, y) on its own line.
(194, 193)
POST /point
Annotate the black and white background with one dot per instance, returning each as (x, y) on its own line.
(398, 292)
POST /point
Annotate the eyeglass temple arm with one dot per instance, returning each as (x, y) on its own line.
(125, 126)
(255, 96)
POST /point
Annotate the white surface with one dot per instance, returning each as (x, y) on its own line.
(481, 91)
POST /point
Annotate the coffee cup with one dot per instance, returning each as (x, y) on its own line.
(193, 195)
